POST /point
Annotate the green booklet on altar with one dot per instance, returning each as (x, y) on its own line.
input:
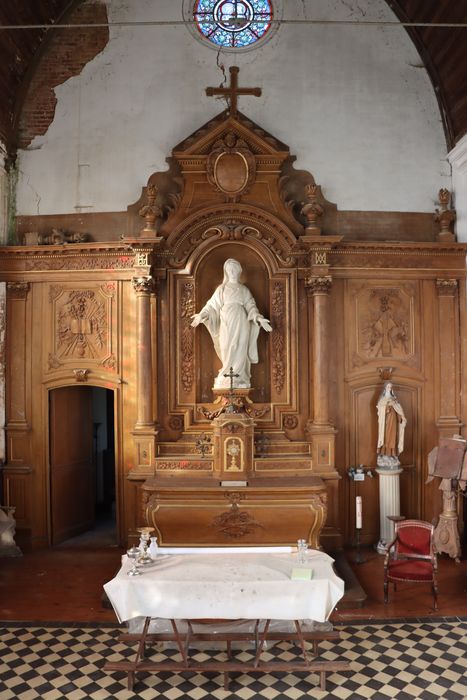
(301, 574)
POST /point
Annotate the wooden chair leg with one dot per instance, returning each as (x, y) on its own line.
(385, 591)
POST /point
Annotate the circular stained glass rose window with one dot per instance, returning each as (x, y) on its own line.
(233, 24)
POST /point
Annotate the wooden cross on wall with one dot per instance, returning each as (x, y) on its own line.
(233, 91)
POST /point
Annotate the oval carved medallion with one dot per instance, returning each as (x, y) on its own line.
(231, 166)
(231, 172)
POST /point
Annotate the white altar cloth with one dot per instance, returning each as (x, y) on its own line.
(227, 586)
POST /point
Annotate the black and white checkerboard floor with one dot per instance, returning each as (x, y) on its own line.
(416, 659)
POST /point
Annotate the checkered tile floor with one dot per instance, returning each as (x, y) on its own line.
(426, 660)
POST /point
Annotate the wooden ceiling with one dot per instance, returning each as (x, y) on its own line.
(442, 49)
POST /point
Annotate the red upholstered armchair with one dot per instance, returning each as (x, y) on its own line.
(411, 557)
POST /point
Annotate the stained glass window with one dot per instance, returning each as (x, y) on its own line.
(233, 24)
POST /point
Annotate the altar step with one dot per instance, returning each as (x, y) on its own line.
(354, 595)
(276, 447)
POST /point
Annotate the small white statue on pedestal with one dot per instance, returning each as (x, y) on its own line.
(391, 430)
(233, 320)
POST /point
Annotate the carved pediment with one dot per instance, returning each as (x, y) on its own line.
(231, 160)
(257, 139)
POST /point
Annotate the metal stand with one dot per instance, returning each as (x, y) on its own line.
(359, 558)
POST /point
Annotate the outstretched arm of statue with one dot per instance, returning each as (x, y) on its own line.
(199, 318)
(264, 323)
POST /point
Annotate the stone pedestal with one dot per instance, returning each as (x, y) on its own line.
(389, 504)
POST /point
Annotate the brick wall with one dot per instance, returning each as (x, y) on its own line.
(65, 55)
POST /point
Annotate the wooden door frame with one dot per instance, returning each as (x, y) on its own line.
(117, 415)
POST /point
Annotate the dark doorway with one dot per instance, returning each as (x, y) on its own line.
(82, 467)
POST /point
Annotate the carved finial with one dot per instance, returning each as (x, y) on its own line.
(385, 373)
(445, 216)
(312, 210)
(150, 211)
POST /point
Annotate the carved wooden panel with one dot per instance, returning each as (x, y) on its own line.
(185, 351)
(384, 323)
(18, 445)
(280, 349)
(81, 326)
(264, 513)
(184, 465)
(16, 486)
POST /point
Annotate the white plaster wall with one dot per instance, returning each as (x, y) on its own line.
(458, 160)
(353, 103)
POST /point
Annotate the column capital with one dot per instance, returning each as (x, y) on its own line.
(143, 284)
(446, 288)
(18, 290)
(318, 285)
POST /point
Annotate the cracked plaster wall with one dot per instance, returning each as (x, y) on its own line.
(353, 103)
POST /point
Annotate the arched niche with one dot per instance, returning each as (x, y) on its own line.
(208, 274)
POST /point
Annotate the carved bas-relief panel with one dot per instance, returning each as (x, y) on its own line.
(81, 326)
(279, 337)
(385, 323)
(206, 514)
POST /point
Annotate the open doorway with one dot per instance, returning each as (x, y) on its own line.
(82, 467)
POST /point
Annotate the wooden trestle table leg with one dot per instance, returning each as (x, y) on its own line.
(140, 653)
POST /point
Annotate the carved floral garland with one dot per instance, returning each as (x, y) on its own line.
(187, 340)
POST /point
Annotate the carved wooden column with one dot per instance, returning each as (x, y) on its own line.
(319, 288)
(320, 431)
(144, 432)
(143, 287)
(318, 284)
(17, 470)
(448, 331)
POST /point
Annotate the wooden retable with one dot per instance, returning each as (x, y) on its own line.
(254, 586)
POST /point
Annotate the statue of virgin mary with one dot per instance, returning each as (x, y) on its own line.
(233, 321)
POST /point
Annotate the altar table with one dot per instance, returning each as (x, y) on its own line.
(227, 585)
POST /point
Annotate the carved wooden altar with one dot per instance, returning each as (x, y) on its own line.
(347, 313)
(233, 204)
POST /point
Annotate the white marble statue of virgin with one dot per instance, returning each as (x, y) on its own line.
(233, 321)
